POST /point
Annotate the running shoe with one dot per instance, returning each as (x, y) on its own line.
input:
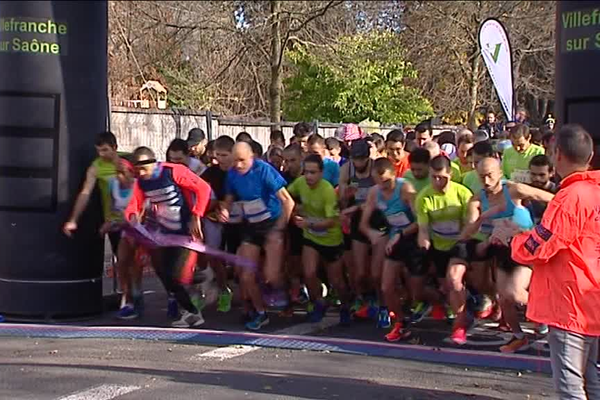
(515, 345)
(172, 308)
(397, 333)
(450, 316)
(318, 312)
(345, 317)
(310, 307)
(363, 312)
(358, 303)
(438, 312)
(459, 335)
(541, 329)
(224, 300)
(383, 318)
(198, 301)
(420, 311)
(2, 318)
(127, 312)
(188, 320)
(247, 316)
(485, 307)
(333, 299)
(258, 322)
(303, 296)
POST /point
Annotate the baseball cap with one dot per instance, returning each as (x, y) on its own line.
(349, 133)
(195, 136)
(360, 149)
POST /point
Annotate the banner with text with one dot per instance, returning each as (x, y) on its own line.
(495, 48)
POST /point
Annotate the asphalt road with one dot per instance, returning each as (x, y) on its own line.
(93, 369)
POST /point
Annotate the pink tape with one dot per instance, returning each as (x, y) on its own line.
(154, 239)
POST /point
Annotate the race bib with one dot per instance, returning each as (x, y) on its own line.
(399, 220)
(314, 231)
(235, 215)
(361, 194)
(520, 176)
(165, 211)
(448, 229)
(254, 207)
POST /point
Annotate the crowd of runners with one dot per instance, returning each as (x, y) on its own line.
(391, 228)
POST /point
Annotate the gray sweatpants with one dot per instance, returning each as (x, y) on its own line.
(574, 368)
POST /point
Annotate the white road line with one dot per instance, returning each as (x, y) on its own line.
(103, 392)
(225, 353)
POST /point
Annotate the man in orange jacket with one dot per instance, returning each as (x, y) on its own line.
(564, 252)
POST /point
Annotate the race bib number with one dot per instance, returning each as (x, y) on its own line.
(447, 228)
(313, 231)
(254, 207)
(235, 215)
(520, 176)
(399, 220)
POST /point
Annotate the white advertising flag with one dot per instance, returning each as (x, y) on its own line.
(495, 48)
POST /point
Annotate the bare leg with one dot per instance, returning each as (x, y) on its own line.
(457, 296)
(248, 276)
(310, 262)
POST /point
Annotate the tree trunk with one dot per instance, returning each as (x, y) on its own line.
(275, 86)
(473, 90)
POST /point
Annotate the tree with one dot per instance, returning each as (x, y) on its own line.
(442, 40)
(364, 76)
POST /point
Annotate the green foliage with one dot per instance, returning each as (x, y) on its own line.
(364, 76)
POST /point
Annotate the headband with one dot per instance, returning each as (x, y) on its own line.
(145, 162)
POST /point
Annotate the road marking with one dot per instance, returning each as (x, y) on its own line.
(225, 353)
(104, 392)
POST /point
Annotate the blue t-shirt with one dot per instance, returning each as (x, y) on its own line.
(256, 191)
(331, 171)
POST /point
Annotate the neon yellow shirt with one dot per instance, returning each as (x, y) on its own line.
(318, 204)
(515, 165)
(418, 184)
(472, 182)
(444, 213)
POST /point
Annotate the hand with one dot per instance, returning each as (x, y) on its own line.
(105, 228)
(196, 228)
(375, 236)
(389, 247)
(482, 247)
(424, 244)
(223, 215)
(300, 222)
(69, 228)
(134, 219)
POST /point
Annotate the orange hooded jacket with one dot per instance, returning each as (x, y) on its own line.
(564, 252)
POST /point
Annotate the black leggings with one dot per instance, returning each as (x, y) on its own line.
(174, 267)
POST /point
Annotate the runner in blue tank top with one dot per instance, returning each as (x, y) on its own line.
(394, 247)
(494, 216)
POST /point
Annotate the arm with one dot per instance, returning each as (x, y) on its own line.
(332, 212)
(82, 200)
(472, 220)
(343, 184)
(423, 238)
(136, 204)
(526, 192)
(368, 211)
(558, 229)
(192, 183)
(408, 194)
(287, 206)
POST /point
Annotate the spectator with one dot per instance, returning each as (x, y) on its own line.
(197, 142)
(334, 146)
(423, 134)
(277, 139)
(491, 126)
(521, 116)
(244, 137)
(563, 253)
(302, 131)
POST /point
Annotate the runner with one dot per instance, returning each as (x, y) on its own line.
(395, 142)
(178, 152)
(355, 181)
(434, 150)
(393, 197)
(179, 199)
(441, 208)
(335, 150)
(464, 144)
(276, 138)
(331, 169)
(216, 177)
(422, 134)
(541, 172)
(302, 131)
(515, 159)
(498, 212)
(471, 179)
(197, 143)
(319, 220)
(418, 175)
(266, 207)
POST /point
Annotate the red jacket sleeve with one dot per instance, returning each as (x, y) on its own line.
(136, 204)
(192, 184)
(560, 225)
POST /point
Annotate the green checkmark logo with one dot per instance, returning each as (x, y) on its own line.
(496, 52)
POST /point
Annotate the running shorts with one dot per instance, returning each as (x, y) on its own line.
(408, 252)
(328, 254)
(256, 234)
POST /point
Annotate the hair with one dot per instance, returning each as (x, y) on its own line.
(376, 136)
(490, 111)
(332, 143)
(316, 139)
(465, 139)
(257, 149)
(379, 144)
(419, 156)
(470, 152)
(224, 143)
(422, 127)
(143, 151)
(210, 146)
(244, 137)
(178, 145)
(106, 138)
(536, 136)
(541, 160)
(274, 151)
(316, 159)
(522, 109)
(303, 129)
(381, 165)
(277, 135)
(446, 137)
(439, 163)
(575, 144)
(396, 135)
(520, 130)
(294, 148)
(484, 149)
